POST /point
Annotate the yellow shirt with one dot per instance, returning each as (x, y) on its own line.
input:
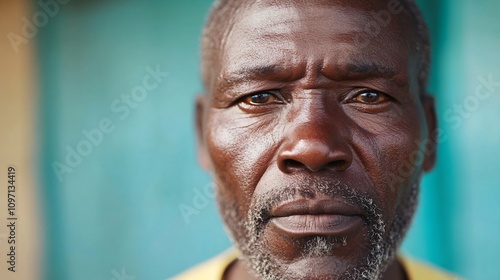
(214, 269)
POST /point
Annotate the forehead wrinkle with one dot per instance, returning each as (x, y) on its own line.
(260, 72)
(347, 65)
(270, 21)
(230, 8)
(260, 19)
(312, 71)
(370, 67)
(274, 32)
(352, 70)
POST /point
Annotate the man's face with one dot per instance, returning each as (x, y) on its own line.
(306, 130)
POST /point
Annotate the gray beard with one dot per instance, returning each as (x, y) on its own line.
(247, 234)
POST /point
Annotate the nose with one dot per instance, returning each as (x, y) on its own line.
(316, 143)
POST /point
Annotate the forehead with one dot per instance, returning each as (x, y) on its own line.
(334, 34)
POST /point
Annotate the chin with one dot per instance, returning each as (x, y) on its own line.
(278, 256)
(340, 248)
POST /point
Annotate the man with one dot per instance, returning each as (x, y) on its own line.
(317, 127)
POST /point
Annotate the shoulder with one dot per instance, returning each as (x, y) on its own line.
(419, 271)
(212, 269)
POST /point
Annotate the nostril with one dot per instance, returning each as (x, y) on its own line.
(291, 164)
(303, 152)
(337, 165)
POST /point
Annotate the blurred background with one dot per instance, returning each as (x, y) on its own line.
(97, 118)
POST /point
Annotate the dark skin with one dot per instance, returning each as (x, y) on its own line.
(296, 96)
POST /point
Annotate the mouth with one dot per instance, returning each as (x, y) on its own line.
(312, 217)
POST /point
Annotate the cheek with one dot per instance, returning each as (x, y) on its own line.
(392, 159)
(240, 151)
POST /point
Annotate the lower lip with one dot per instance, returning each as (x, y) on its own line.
(324, 224)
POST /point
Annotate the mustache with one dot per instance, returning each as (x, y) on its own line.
(261, 206)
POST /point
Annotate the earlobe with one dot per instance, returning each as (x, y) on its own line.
(201, 107)
(432, 128)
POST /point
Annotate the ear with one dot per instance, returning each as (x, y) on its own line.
(201, 107)
(432, 132)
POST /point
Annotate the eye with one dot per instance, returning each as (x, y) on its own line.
(261, 98)
(370, 98)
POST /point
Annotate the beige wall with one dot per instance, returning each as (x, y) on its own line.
(18, 99)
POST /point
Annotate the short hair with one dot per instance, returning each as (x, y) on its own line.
(215, 32)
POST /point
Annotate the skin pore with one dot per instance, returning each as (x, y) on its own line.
(303, 129)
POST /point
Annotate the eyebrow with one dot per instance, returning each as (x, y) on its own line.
(374, 69)
(274, 72)
(281, 73)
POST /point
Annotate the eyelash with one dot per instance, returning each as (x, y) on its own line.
(386, 97)
(271, 93)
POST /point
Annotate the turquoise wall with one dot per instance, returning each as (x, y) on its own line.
(114, 203)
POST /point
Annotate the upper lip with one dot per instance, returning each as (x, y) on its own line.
(319, 206)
